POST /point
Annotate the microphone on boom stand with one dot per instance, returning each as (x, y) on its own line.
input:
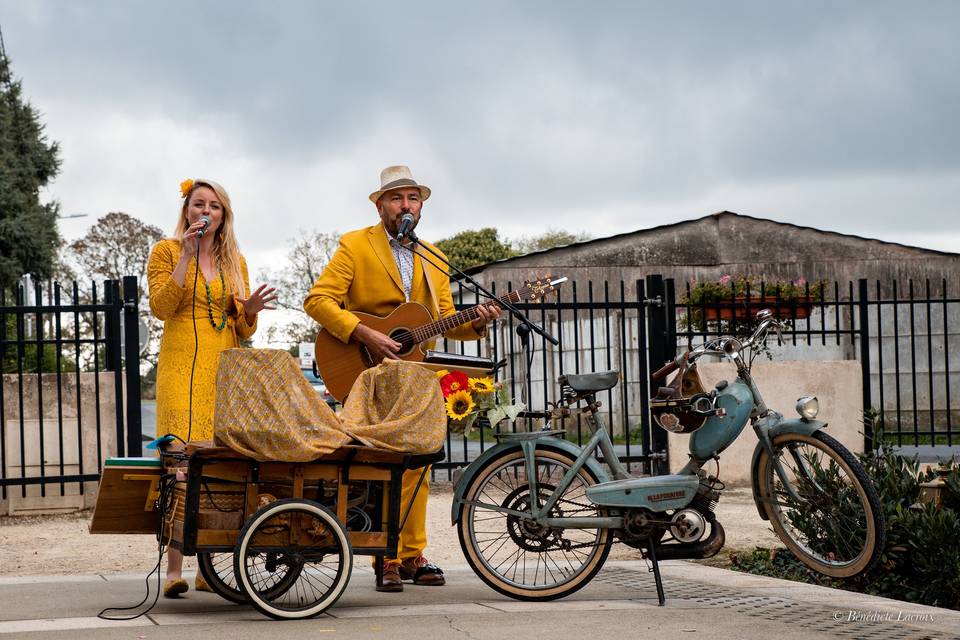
(524, 326)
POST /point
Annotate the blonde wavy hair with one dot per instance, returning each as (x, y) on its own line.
(226, 252)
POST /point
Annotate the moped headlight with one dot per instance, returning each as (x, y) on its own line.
(808, 407)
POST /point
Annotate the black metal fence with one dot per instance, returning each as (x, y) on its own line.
(70, 392)
(67, 400)
(902, 336)
(621, 325)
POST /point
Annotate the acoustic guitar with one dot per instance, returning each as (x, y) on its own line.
(411, 325)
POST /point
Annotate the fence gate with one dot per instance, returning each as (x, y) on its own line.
(70, 392)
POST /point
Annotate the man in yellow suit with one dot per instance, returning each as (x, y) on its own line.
(372, 272)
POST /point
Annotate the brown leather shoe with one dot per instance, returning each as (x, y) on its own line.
(391, 578)
(422, 572)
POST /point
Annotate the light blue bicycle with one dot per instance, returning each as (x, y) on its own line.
(537, 514)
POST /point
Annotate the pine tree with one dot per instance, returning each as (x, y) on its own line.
(29, 238)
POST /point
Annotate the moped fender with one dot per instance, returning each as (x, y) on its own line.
(550, 444)
(794, 425)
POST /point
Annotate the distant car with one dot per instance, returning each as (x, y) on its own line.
(317, 383)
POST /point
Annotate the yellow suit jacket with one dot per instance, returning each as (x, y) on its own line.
(363, 276)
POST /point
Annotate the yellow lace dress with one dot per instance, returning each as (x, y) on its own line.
(172, 303)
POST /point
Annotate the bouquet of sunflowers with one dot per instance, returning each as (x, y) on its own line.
(466, 399)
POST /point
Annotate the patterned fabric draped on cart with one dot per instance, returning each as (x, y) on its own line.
(267, 410)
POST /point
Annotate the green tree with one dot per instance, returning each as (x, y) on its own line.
(28, 229)
(470, 248)
(547, 240)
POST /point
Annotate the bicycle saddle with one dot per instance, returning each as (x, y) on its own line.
(587, 382)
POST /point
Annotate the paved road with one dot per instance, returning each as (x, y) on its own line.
(619, 603)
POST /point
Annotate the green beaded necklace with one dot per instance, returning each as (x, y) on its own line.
(223, 304)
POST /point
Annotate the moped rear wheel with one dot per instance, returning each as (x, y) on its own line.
(837, 526)
(514, 555)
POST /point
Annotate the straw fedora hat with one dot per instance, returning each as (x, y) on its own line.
(398, 177)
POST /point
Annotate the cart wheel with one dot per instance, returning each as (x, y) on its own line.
(217, 570)
(293, 559)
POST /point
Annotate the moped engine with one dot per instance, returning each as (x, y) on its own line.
(688, 525)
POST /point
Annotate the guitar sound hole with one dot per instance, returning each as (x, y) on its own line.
(405, 338)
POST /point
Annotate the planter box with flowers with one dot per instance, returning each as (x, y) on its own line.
(467, 399)
(735, 301)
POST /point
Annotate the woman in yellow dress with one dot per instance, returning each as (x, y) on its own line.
(205, 319)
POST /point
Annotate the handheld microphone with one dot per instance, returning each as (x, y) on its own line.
(406, 227)
(206, 223)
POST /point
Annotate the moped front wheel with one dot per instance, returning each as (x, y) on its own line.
(514, 555)
(836, 527)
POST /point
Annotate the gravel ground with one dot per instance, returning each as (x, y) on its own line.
(61, 544)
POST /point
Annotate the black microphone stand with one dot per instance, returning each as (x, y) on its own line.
(524, 327)
(524, 321)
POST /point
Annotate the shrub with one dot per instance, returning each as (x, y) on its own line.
(921, 560)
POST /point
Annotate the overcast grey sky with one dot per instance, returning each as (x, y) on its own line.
(601, 117)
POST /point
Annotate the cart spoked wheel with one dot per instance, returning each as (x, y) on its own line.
(217, 570)
(293, 559)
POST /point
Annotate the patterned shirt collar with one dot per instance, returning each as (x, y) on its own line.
(404, 259)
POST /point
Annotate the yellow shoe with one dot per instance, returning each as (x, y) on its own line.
(201, 585)
(173, 588)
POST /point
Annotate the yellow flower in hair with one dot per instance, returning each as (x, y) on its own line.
(459, 405)
(482, 385)
(441, 373)
(185, 187)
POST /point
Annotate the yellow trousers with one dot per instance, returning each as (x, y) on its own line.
(413, 536)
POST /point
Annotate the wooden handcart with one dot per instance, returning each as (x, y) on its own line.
(279, 535)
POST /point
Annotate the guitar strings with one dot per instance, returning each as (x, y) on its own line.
(402, 337)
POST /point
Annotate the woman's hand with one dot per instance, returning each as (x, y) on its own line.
(188, 250)
(258, 301)
(188, 245)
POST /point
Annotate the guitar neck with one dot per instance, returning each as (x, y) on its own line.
(441, 326)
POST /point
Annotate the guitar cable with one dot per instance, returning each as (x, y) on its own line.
(167, 483)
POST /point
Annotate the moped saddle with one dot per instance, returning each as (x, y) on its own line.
(587, 382)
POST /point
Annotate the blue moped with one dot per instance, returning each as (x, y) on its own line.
(537, 514)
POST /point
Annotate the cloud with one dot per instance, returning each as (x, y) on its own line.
(524, 116)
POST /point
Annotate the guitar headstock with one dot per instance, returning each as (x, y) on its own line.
(541, 288)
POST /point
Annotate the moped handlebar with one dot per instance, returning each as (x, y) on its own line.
(670, 367)
(724, 346)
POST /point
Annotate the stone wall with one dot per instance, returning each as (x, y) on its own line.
(727, 243)
(89, 435)
(924, 391)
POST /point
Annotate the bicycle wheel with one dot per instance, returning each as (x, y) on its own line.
(837, 527)
(514, 555)
(304, 543)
